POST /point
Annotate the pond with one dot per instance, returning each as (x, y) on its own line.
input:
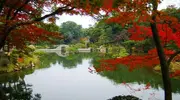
(68, 78)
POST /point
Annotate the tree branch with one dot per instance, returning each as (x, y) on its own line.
(26, 2)
(61, 9)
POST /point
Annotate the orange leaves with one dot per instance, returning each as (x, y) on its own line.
(20, 60)
(176, 73)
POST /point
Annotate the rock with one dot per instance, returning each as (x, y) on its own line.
(128, 97)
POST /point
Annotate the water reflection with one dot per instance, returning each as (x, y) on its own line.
(140, 76)
(69, 62)
(67, 78)
(14, 87)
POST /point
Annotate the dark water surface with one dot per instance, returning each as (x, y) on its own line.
(68, 78)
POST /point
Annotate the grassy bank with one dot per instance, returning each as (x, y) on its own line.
(18, 59)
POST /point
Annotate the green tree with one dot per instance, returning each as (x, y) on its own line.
(71, 31)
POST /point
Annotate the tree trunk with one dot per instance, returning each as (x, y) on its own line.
(163, 62)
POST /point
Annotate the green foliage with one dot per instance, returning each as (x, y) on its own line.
(94, 47)
(28, 60)
(74, 48)
(172, 46)
(103, 33)
(9, 68)
(45, 45)
(142, 46)
(51, 27)
(69, 62)
(113, 48)
(13, 57)
(4, 62)
(71, 31)
(172, 11)
(129, 44)
(18, 59)
(123, 52)
(117, 51)
(38, 53)
(29, 50)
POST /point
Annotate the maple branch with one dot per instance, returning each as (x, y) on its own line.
(61, 9)
(26, 2)
(172, 57)
(55, 12)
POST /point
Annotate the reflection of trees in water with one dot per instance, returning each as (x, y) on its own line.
(47, 59)
(17, 91)
(13, 87)
(140, 76)
(69, 62)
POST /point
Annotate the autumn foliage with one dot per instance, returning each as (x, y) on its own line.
(20, 19)
(150, 59)
(134, 13)
(19, 24)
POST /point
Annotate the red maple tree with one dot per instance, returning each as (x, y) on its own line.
(164, 29)
(19, 19)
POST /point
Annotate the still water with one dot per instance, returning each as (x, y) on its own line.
(68, 78)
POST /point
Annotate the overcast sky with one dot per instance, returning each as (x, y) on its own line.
(85, 21)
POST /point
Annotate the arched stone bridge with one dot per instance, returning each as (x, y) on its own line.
(58, 50)
(61, 46)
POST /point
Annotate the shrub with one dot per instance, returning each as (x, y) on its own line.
(29, 50)
(4, 62)
(39, 53)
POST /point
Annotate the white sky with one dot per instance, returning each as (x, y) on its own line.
(85, 21)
